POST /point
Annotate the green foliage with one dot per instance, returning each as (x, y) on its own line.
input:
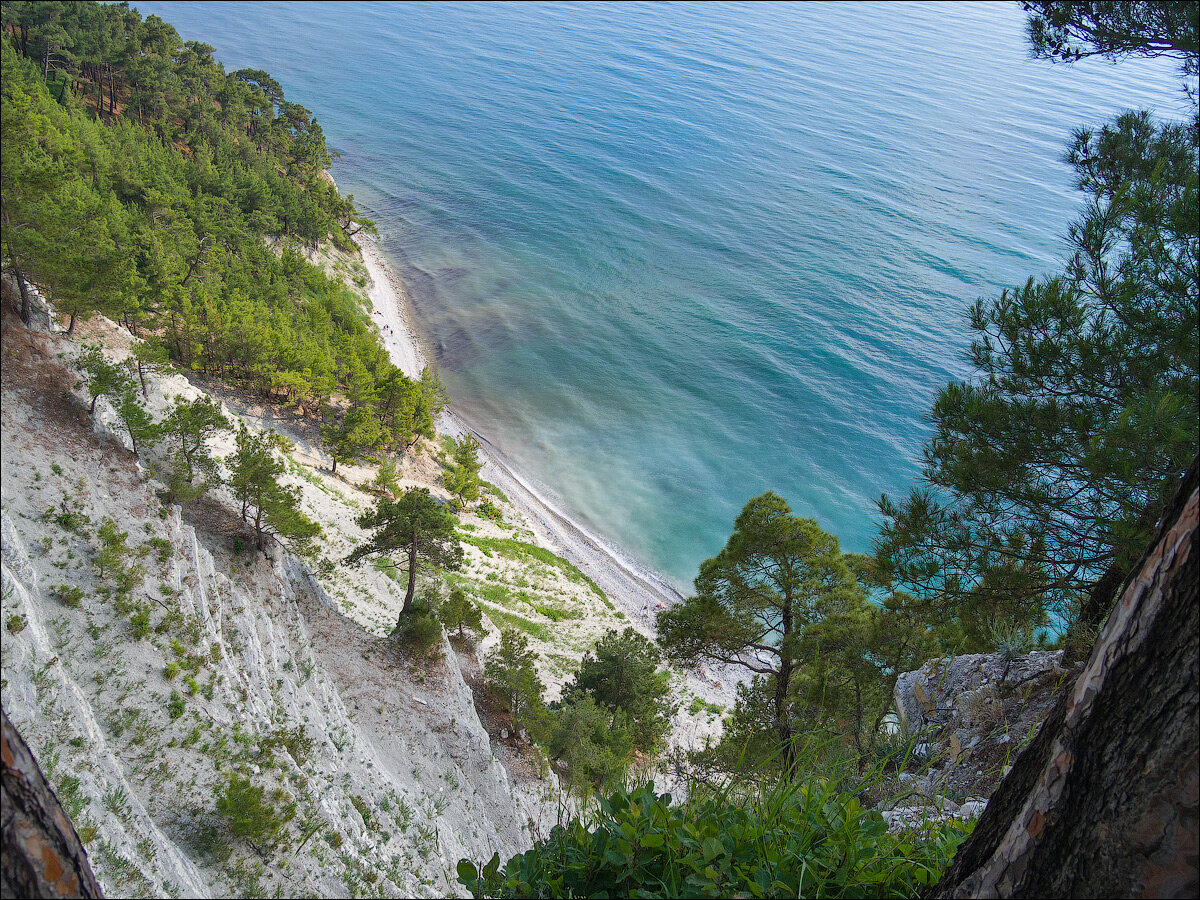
(176, 705)
(273, 509)
(387, 480)
(416, 527)
(1010, 641)
(489, 510)
(139, 621)
(1066, 31)
(104, 378)
(169, 195)
(419, 631)
(1049, 469)
(514, 549)
(511, 673)
(68, 595)
(776, 577)
(790, 841)
(596, 744)
(139, 424)
(622, 675)
(294, 740)
(458, 612)
(433, 392)
(462, 479)
(251, 815)
(187, 426)
(113, 552)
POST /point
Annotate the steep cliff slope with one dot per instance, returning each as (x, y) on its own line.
(149, 682)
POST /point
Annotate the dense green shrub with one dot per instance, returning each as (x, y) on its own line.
(419, 632)
(253, 816)
(596, 744)
(791, 841)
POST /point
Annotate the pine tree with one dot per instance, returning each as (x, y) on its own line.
(273, 509)
(777, 575)
(458, 612)
(622, 674)
(188, 425)
(511, 672)
(418, 528)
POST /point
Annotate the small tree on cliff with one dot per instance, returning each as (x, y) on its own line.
(187, 427)
(458, 612)
(103, 377)
(621, 673)
(511, 672)
(416, 526)
(272, 508)
(462, 479)
(777, 575)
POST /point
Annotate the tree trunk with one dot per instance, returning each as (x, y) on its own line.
(412, 577)
(23, 288)
(41, 855)
(782, 726)
(1104, 801)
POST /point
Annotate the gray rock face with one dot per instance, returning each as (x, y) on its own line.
(964, 689)
(969, 717)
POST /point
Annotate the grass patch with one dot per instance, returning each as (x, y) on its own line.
(514, 549)
(533, 629)
(390, 569)
(554, 613)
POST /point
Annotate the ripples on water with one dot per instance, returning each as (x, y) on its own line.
(671, 256)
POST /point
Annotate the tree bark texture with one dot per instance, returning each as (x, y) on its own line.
(1103, 802)
(41, 855)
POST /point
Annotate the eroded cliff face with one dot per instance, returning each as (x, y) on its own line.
(140, 702)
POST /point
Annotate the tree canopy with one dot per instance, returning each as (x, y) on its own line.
(1049, 468)
(417, 527)
(777, 575)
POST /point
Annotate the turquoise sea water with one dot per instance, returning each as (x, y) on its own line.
(671, 256)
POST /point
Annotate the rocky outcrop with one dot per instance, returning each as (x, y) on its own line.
(966, 718)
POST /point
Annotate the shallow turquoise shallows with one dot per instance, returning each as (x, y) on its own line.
(672, 256)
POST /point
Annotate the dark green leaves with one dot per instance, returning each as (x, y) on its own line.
(804, 841)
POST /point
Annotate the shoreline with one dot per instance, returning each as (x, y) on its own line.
(635, 589)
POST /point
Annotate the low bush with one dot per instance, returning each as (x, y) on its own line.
(420, 632)
(67, 595)
(804, 840)
(251, 815)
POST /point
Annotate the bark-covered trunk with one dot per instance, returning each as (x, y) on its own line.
(41, 855)
(412, 577)
(1104, 801)
(141, 369)
(23, 288)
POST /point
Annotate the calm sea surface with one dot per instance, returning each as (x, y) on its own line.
(672, 256)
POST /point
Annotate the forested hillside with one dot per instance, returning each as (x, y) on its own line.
(142, 181)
